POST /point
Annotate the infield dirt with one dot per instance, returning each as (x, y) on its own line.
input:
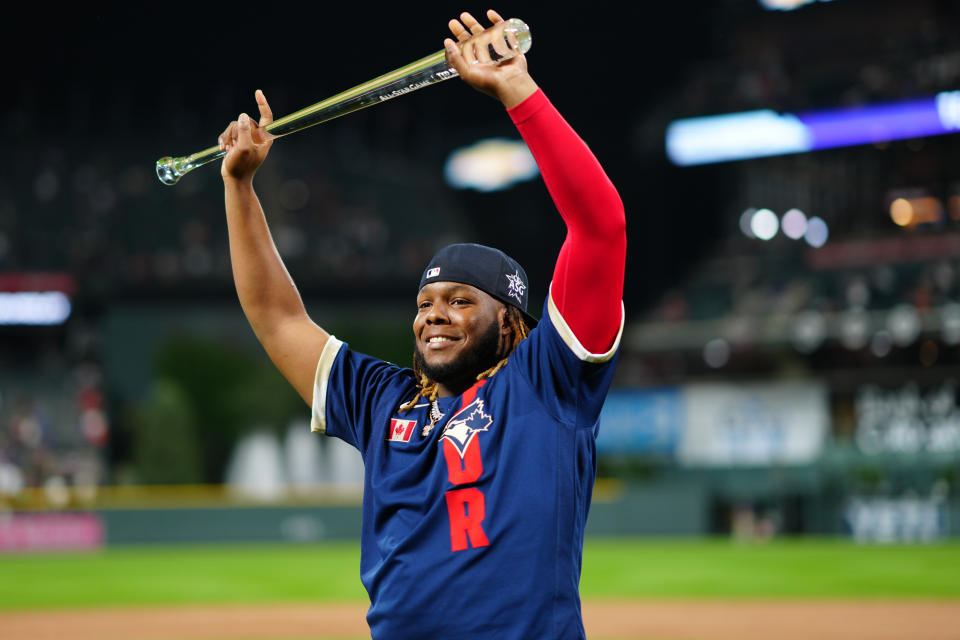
(607, 620)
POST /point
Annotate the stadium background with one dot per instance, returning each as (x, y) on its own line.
(767, 389)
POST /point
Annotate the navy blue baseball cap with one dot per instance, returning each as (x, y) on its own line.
(488, 269)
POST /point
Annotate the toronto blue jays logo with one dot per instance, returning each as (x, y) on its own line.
(463, 426)
(515, 286)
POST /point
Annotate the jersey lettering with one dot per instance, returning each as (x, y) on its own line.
(466, 508)
(465, 469)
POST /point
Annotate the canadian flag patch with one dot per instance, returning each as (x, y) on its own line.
(401, 430)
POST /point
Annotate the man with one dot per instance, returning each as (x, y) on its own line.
(479, 463)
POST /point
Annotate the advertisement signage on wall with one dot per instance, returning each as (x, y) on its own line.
(718, 424)
(763, 424)
(73, 531)
(645, 421)
(906, 518)
(908, 419)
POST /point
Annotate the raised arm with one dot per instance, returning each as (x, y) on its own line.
(268, 296)
(587, 285)
(587, 282)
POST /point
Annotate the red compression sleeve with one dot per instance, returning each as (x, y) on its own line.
(588, 279)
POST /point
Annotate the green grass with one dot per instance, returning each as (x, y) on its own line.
(181, 575)
(613, 568)
(807, 568)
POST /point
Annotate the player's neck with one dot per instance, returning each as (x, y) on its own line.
(455, 387)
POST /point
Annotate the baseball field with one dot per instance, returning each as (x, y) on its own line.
(648, 589)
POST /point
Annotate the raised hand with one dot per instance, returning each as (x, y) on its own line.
(509, 82)
(246, 143)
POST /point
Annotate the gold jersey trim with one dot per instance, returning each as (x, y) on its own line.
(571, 340)
(318, 414)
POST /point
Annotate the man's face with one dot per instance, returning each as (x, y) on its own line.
(458, 331)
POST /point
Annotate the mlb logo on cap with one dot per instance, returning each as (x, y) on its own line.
(433, 273)
(401, 430)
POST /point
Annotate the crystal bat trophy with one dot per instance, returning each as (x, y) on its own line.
(506, 40)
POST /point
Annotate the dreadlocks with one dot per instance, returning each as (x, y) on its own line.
(429, 389)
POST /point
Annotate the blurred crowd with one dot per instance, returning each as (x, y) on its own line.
(53, 430)
(766, 284)
(776, 296)
(109, 221)
(827, 57)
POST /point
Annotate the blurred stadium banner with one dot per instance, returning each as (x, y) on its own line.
(763, 424)
(908, 420)
(51, 531)
(36, 298)
(719, 424)
(761, 133)
(641, 421)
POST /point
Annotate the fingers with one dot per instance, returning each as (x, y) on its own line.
(465, 28)
(481, 50)
(454, 56)
(493, 16)
(467, 49)
(244, 137)
(500, 45)
(231, 135)
(246, 142)
(237, 134)
(228, 137)
(471, 23)
(476, 49)
(463, 36)
(266, 114)
(499, 41)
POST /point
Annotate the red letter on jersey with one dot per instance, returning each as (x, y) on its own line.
(466, 510)
(465, 469)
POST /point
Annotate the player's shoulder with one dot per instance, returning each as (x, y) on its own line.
(352, 366)
(351, 386)
(553, 335)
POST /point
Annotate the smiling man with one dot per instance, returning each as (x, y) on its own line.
(471, 313)
(480, 461)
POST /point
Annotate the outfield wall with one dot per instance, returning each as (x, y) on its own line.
(762, 503)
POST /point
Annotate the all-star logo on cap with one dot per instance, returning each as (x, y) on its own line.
(515, 286)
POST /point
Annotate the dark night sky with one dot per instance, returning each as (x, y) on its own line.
(165, 79)
(144, 59)
(160, 80)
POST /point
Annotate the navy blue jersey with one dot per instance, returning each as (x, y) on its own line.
(473, 529)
